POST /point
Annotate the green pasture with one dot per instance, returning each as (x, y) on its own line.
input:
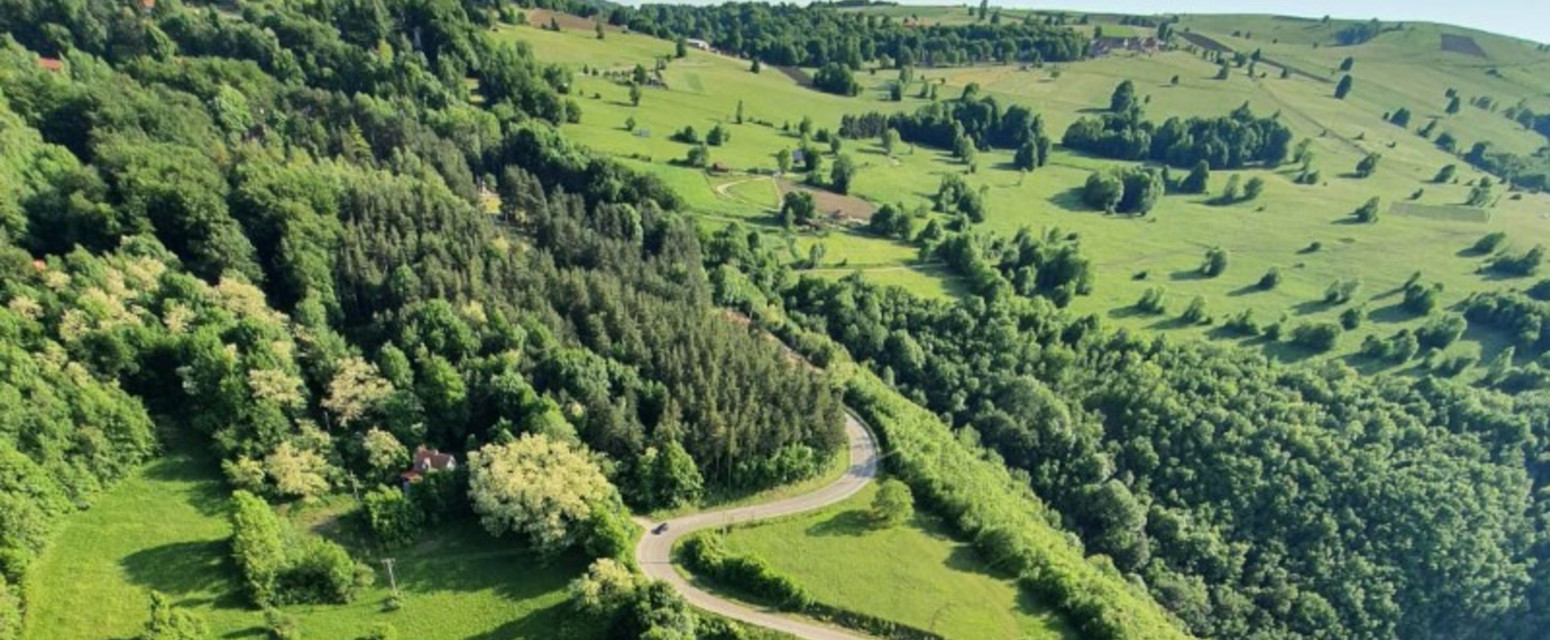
(165, 529)
(1397, 69)
(915, 573)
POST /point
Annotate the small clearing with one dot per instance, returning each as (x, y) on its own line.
(831, 203)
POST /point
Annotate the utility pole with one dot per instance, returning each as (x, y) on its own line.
(392, 579)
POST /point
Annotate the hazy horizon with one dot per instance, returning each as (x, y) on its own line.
(1506, 17)
(1500, 16)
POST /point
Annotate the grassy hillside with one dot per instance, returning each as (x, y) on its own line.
(1397, 69)
(914, 573)
(165, 529)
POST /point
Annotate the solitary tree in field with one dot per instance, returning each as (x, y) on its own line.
(1230, 192)
(783, 160)
(739, 112)
(1124, 97)
(893, 505)
(635, 94)
(1254, 187)
(1346, 64)
(1445, 174)
(1198, 180)
(1344, 88)
(680, 47)
(757, 67)
(598, 25)
(1401, 117)
(797, 208)
(1215, 262)
(1368, 165)
(1453, 105)
(890, 141)
(1027, 157)
(841, 174)
(1368, 212)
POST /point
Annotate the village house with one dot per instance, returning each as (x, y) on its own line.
(427, 461)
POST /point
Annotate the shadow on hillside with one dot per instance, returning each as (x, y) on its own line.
(1187, 274)
(206, 495)
(1127, 311)
(1390, 314)
(1309, 306)
(183, 568)
(1070, 200)
(846, 523)
(554, 621)
(965, 560)
(1245, 290)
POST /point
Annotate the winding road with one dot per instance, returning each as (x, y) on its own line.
(654, 552)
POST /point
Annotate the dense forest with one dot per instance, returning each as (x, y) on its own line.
(817, 35)
(290, 236)
(1255, 500)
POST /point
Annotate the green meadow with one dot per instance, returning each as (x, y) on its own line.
(914, 573)
(165, 529)
(1405, 68)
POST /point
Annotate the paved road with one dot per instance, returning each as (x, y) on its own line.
(654, 553)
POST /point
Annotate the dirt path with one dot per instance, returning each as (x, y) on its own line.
(654, 552)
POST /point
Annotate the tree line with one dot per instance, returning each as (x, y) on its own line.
(818, 35)
(1235, 141)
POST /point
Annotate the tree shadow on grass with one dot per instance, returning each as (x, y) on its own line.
(183, 569)
(556, 621)
(207, 494)
(1188, 274)
(846, 523)
(1070, 200)
(1390, 314)
(1310, 306)
(1245, 290)
(1127, 311)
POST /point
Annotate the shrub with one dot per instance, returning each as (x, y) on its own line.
(393, 518)
(1242, 324)
(1351, 318)
(1270, 280)
(1317, 336)
(1441, 332)
(705, 554)
(1368, 212)
(687, 135)
(893, 504)
(284, 567)
(1195, 313)
(1215, 262)
(1421, 299)
(257, 546)
(1341, 290)
(1523, 264)
(1152, 301)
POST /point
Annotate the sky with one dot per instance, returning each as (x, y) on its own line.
(1511, 17)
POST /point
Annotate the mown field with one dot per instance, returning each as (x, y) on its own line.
(914, 573)
(1397, 69)
(165, 529)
